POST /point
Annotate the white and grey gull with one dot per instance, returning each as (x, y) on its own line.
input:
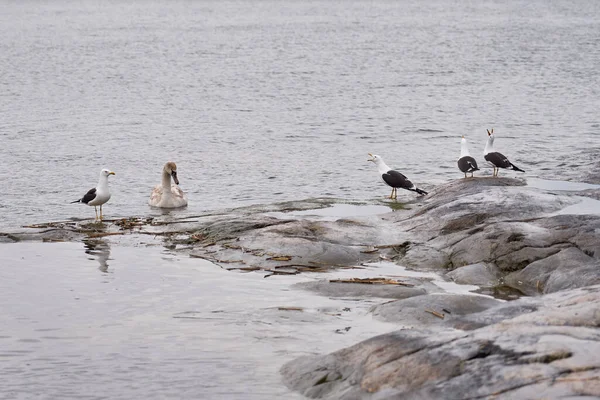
(98, 195)
(497, 160)
(168, 195)
(466, 163)
(394, 178)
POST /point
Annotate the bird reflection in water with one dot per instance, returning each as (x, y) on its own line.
(100, 250)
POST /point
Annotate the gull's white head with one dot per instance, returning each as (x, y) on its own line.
(106, 172)
(489, 146)
(464, 149)
(381, 165)
(171, 169)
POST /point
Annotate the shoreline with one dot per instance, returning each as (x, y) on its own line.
(496, 236)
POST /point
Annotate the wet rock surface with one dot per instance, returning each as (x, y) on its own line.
(432, 309)
(337, 289)
(549, 350)
(497, 222)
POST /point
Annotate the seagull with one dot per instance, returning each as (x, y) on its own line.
(166, 195)
(466, 163)
(497, 160)
(98, 195)
(393, 178)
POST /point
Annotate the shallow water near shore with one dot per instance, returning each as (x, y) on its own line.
(97, 320)
(140, 322)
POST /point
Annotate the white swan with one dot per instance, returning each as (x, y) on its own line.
(166, 195)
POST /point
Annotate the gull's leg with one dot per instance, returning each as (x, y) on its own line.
(100, 212)
(95, 209)
(465, 174)
(392, 194)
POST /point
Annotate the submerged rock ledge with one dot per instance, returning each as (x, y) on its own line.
(491, 232)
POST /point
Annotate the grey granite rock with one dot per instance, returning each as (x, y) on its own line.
(551, 351)
(480, 274)
(337, 289)
(420, 311)
(569, 268)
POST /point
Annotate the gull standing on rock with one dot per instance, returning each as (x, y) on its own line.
(466, 163)
(167, 195)
(393, 178)
(98, 195)
(497, 160)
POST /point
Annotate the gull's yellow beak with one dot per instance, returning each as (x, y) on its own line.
(370, 155)
(111, 173)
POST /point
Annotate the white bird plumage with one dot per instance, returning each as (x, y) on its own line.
(392, 178)
(167, 195)
(98, 195)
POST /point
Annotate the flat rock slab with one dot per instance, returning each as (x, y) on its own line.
(338, 289)
(432, 309)
(550, 352)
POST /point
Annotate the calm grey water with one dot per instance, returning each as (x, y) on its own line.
(99, 321)
(257, 101)
(260, 101)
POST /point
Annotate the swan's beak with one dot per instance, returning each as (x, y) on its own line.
(174, 175)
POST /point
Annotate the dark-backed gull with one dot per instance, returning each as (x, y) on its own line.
(466, 163)
(98, 195)
(393, 178)
(497, 160)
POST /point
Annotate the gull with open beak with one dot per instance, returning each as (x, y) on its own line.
(495, 159)
(393, 178)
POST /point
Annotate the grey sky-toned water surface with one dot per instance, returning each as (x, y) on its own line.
(257, 102)
(261, 101)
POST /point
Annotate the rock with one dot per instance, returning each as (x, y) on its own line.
(337, 289)
(415, 311)
(549, 352)
(480, 274)
(570, 268)
(425, 257)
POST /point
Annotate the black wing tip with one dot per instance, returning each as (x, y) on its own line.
(515, 168)
(421, 191)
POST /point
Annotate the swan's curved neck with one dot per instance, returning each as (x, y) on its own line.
(166, 181)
